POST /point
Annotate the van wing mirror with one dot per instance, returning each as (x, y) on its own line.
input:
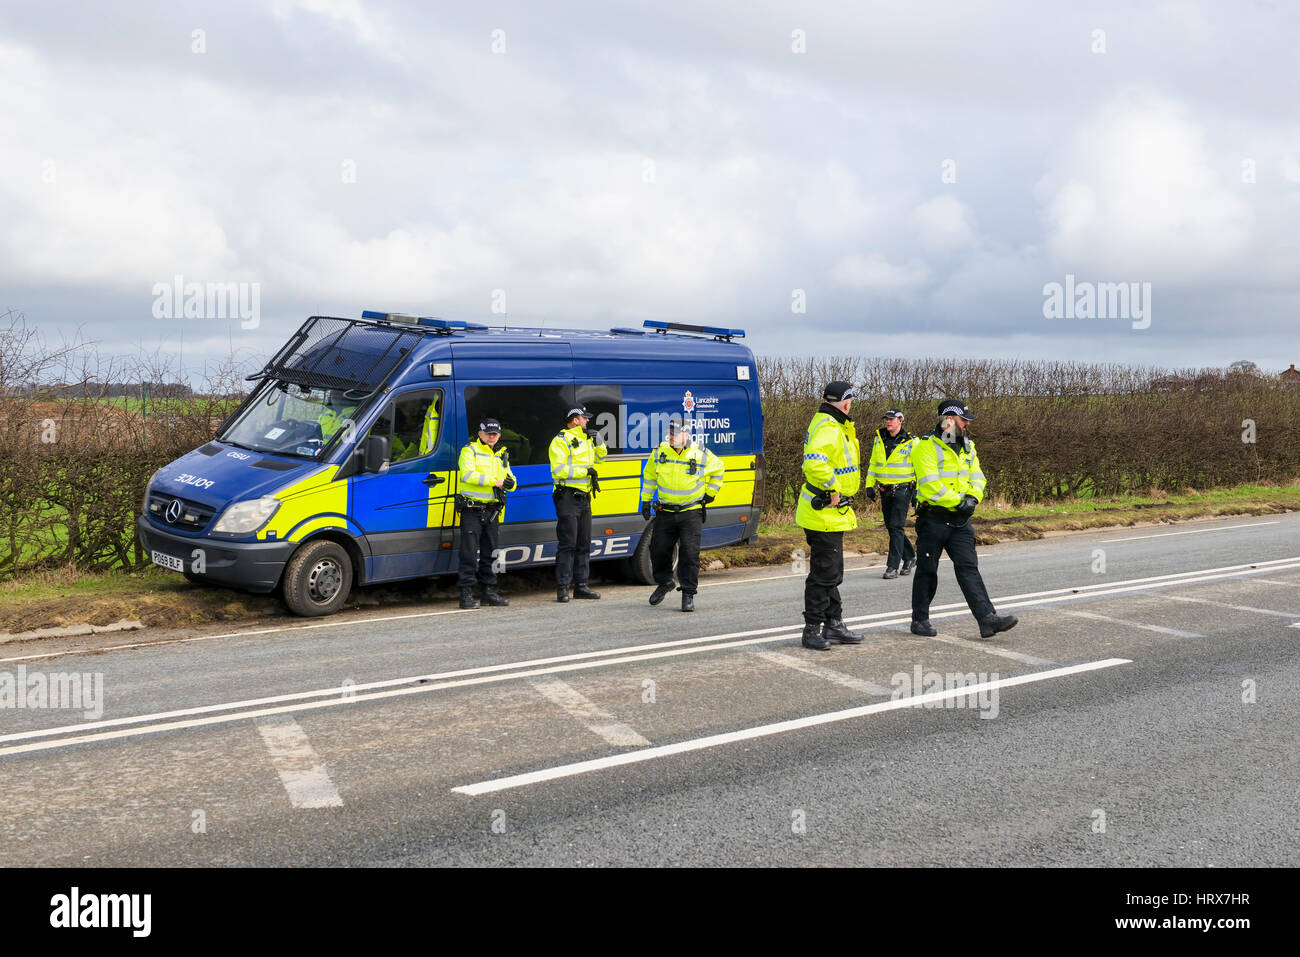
(374, 453)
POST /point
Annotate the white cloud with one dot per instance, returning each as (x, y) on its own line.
(1140, 193)
(874, 275)
(944, 224)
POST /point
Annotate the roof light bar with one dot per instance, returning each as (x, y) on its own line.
(718, 332)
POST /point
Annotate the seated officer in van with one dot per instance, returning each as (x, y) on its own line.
(686, 477)
(485, 477)
(337, 410)
(574, 454)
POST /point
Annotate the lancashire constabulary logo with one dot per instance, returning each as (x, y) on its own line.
(688, 401)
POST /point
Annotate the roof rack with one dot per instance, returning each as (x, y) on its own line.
(344, 354)
(720, 333)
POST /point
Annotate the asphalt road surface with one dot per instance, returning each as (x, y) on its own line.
(1143, 712)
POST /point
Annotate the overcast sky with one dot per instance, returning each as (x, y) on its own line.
(920, 171)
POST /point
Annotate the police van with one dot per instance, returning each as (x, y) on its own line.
(340, 468)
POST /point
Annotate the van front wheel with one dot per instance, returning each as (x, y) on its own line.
(317, 579)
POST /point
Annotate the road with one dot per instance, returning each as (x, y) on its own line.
(1143, 712)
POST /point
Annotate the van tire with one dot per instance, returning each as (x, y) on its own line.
(317, 579)
(639, 568)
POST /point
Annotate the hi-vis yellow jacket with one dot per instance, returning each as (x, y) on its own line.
(481, 467)
(571, 454)
(831, 462)
(682, 477)
(944, 476)
(892, 469)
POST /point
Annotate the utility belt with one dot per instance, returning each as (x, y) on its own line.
(667, 507)
(474, 505)
(578, 494)
(822, 499)
(896, 488)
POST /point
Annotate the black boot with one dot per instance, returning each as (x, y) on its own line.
(688, 601)
(834, 630)
(467, 598)
(908, 565)
(812, 637)
(890, 573)
(660, 592)
(923, 628)
(561, 592)
(493, 597)
(991, 626)
(581, 590)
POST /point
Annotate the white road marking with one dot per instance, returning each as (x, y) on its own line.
(1193, 531)
(593, 717)
(826, 674)
(772, 578)
(1273, 581)
(419, 684)
(780, 727)
(1224, 604)
(235, 634)
(1133, 624)
(301, 771)
(994, 650)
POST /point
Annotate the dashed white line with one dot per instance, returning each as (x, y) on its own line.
(1133, 624)
(780, 727)
(826, 674)
(994, 650)
(1224, 604)
(1192, 531)
(301, 772)
(593, 717)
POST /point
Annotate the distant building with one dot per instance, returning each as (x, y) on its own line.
(1290, 376)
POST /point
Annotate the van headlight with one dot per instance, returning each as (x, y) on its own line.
(244, 517)
(148, 487)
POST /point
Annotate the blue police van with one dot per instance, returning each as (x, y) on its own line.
(340, 468)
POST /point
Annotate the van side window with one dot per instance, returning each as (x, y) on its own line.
(603, 402)
(530, 416)
(412, 424)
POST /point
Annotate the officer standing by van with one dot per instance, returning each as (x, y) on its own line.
(890, 469)
(574, 454)
(831, 469)
(686, 477)
(949, 485)
(485, 477)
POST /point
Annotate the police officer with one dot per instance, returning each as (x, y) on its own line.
(574, 454)
(831, 463)
(890, 469)
(485, 477)
(686, 477)
(949, 485)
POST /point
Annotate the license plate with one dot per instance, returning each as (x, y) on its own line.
(167, 561)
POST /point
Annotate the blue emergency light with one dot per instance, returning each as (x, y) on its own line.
(718, 332)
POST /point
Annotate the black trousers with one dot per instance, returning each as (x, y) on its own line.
(478, 540)
(573, 529)
(821, 589)
(681, 529)
(936, 532)
(894, 504)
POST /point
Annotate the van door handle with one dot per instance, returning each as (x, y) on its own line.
(432, 480)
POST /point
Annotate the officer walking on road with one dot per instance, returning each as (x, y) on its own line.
(890, 469)
(949, 485)
(686, 477)
(574, 454)
(831, 468)
(485, 477)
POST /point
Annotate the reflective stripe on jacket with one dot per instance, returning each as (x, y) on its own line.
(481, 467)
(681, 477)
(944, 476)
(892, 469)
(571, 454)
(831, 461)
